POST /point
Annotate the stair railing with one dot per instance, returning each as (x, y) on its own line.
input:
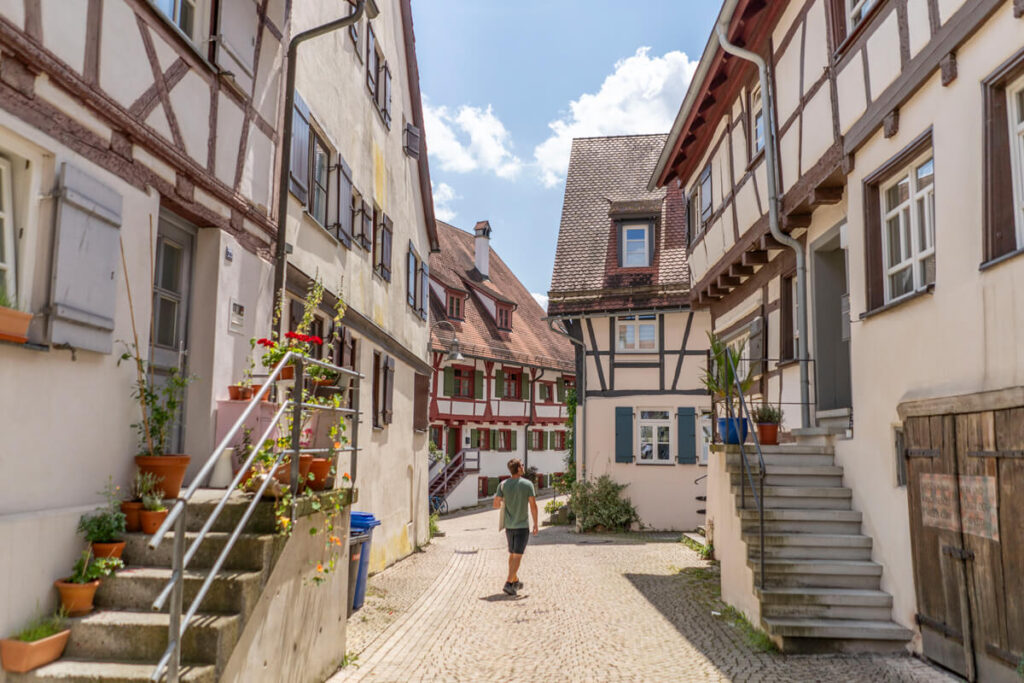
(745, 469)
(171, 659)
(453, 470)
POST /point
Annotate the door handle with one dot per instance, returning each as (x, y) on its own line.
(958, 553)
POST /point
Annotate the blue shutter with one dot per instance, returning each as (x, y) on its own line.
(623, 434)
(650, 243)
(618, 237)
(344, 203)
(687, 436)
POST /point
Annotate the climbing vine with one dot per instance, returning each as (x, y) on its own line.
(564, 485)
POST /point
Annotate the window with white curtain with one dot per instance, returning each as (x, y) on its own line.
(908, 226)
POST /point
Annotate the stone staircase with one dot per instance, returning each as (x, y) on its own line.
(822, 590)
(122, 639)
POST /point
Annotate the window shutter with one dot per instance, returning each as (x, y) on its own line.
(686, 435)
(512, 439)
(235, 44)
(499, 383)
(494, 439)
(367, 234)
(650, 243)
(524, 388)
(474, 438)
(376, 389)
(412, 271)
(299, 174)
(560, 388)
(386, 95)
(623, 434)
(421, 418)
(412, 141)
(385, 257)
(83, 295)
(618, 236)
(755, 347)
(371, 60)
(424, 288)
(875, 275)
(478, 384)
(344, 203)
(449, 381)
(1000, 224)
(389, 388)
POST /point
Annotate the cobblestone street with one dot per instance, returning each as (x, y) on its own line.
(593, 608)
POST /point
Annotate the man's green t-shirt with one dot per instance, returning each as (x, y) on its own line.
(517, 494)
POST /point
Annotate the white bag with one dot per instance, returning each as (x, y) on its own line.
(501, 510)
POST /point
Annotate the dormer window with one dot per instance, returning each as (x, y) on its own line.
(455, 306)
(636, 242)
(504, 318)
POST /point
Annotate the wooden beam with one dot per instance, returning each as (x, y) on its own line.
(826, 195)
(737, 270)
(755, 258)
(795, 220)
(728, 281)
(715, 290)
(769, 242)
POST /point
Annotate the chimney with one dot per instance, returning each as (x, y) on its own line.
(482, 230)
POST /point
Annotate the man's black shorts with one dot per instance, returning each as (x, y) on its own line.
(517, 539)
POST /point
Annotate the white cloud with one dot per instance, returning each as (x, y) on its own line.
(444, 195)
(542, 299)
(642, 95)
(470, 139)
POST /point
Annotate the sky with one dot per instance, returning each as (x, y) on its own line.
(507, 85)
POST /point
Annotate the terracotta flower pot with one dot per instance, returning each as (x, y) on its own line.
(245, 393)
(170, 467)
(14, 325)
(19, 656)
(256, 389)
(767, 433)
(284, 472)
(320, 469)
(108, 549)
(287, 372)
(151, 520)
(234, 392)
(131, 508)
(77, 597)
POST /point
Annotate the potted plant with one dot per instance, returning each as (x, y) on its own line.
(78, 590)
(721, 378)
(768, 419)
(105, 527)
(143, 484)
(153, 512)
(13, 323)
(239, 392)
(39, 643)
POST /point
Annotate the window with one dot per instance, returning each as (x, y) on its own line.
(462, 382)
(506, 440)
(353, 33)
(372, 60)
(654, 436)
(435, 435)
(455, 306)
(504, 318)
(510, 386)
(383, 230)
(181, 12)
(856, 11)
(636, 245)
(706, 201)
(706, 436)
(8, 281)
(383, 389)
(363, 223)
(320, 161)
(558, 441)
(909, 229)
(412, 274)
(1015, 107)
(756, 122)
(544, 393)
(637, 334)
(538, 440)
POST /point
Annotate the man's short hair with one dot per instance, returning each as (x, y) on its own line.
(515, 465)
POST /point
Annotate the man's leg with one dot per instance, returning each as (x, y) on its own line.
(513, 566)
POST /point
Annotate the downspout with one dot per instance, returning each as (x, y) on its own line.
(581, 391)
(281, 255)
(771, 158)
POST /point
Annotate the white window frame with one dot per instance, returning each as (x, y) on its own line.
(635, 322)
(756, 117)
(795, 312)
(656, 424)
(705, 435)
(909, 215)
(1015, 109)
(646, 227)
(8, 272)
(858, 9)
(175, 15)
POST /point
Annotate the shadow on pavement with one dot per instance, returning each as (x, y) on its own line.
(501, 597)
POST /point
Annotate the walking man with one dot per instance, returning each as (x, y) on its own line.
(516, 493)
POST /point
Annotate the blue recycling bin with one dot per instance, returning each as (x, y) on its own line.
(362, 523)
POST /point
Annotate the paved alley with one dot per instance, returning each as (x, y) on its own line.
(593, 608)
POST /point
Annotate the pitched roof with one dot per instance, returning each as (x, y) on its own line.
(530, 342)
(607, 178)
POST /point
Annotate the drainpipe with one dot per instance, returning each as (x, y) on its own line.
(581, 392)
(771, 158)
(281, 256)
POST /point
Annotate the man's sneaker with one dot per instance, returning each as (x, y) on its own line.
(510, 588)
(518, 585)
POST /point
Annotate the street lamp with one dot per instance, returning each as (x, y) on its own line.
(454, 355)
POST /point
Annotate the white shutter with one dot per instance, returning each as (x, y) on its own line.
(86, 249)
(237, 26)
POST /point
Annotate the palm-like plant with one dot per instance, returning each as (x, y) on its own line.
(722, 378)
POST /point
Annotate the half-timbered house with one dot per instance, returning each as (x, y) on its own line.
(619, 290)
(897, 129)
(504, 394)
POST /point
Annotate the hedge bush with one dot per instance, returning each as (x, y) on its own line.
(600, 503)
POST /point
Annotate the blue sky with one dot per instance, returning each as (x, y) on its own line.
(507, 85)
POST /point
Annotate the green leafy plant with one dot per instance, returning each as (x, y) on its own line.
(89, 568)
(600, 504)
(721, 376)
(43, 626)
(553, 506)
(5, 300)
(160, 404)
(153, 501)
(105, 524)
(563, 485)
(766, 413)
(436, 454)
(144, 484)
(706, 551)
(434, 527)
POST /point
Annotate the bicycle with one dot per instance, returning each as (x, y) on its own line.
(438, 505)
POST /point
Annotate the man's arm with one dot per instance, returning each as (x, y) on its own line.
(533, 511)
(497, 499)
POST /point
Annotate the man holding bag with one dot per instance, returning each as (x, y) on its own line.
(515, 493)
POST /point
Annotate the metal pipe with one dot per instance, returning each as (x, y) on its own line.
(772, 168)
(281, 256)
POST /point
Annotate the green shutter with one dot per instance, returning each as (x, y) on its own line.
(494, 439)
(474, 438)
(623, 434)
(499, 383)
(513, 442)
(687, 435)
(524, 392)
(560, 389)
(478, 384)
(449, 381)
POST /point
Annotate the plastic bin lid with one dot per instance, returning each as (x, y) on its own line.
(364, 520)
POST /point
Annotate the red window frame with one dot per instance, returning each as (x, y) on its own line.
(514, 379)
(559, 441)
(537, 440)
(462, 378)
(484, 436)
(504, 439)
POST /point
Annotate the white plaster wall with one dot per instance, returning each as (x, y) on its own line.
(918, 25)
(850, 90)
(817, 128)
(884, 55)
(64, 31)
(816, 56)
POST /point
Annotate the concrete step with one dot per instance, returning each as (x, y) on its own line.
(201, 507)
(821, 573)
(135, 588)
(816, 521)
(142, 637)
(795, 475)
(809, 459)
(824, 497)
(826, 603)
(251, 551)
(93, 671)
(811, 546)
(837, 635)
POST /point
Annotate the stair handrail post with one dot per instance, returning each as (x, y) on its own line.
(178, 568)
(298, 399)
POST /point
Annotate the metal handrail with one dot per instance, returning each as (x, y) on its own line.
(452, 469)
(175, 586)
(744, 464)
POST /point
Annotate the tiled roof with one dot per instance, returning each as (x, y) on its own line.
(609, 175)
(531, 341)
